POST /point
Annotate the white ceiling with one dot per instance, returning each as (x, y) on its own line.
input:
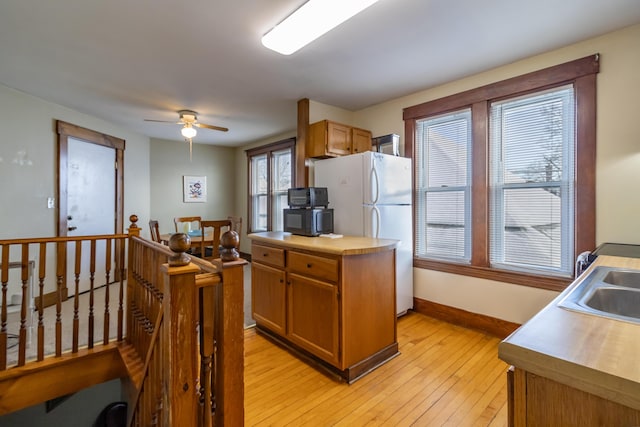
(127, 60)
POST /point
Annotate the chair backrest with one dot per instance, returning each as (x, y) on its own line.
(211, 233)
(184, 224)
(236, 225)
(155, 231)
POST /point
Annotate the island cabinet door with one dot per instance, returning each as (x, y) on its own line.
(268, 297)
(313, 317)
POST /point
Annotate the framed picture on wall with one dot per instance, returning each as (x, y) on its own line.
(194, 189)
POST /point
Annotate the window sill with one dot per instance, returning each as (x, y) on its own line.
(551, 283)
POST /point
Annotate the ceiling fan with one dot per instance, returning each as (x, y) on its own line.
(189, 121)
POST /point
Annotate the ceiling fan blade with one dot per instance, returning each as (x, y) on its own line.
(203, 125)
(163, 121)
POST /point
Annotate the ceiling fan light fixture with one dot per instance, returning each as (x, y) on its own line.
(188, 131)
(310, 21)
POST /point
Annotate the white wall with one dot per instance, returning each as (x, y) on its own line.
(170, 162)
(617, 167)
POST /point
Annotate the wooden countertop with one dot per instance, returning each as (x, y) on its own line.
(346, 245)
(591, 353)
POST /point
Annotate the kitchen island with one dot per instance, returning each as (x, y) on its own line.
(330, 300)
(574, 368)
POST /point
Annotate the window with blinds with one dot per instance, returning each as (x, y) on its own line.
(270, 176)
(532, 171)
(443, 186)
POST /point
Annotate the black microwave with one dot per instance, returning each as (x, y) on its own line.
(308, 222)
(308, 197)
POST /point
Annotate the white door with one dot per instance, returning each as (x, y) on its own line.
(394, 222)
(387, 179)
(91, 195)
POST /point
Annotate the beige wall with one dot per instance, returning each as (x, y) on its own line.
(617, 169)
(617, 174)
(170, 162)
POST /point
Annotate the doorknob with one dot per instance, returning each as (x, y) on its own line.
(71, 228)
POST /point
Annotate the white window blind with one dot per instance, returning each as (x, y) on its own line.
(281, 168)
(259, 192)
(443, 181)
(532, 170)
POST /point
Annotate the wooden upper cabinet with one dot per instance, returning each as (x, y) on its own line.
(360, 140)
(331, 139)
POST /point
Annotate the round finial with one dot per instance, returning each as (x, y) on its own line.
(229, 242)
(133, 218)
(179, 243)
(230, 239)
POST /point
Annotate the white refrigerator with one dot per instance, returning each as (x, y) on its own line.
(370, 194)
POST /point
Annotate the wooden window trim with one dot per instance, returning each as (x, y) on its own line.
(267, 149)
(582, 74)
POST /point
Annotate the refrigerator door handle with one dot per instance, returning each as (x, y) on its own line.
(375, 181)
(377, 226)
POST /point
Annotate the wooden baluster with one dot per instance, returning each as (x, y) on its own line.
(107, 266)
(76, 320)
(3, 308)
(207, 328)
(92, 276)
(22, 334)
(42, 272)
(121, 250)
(61, 258)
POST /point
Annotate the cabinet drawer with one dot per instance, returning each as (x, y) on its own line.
(311, 265)
(268, 255)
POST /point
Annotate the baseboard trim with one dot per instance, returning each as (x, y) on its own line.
(490, 325)
(51, 298)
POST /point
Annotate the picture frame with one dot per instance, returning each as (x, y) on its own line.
(194, 189)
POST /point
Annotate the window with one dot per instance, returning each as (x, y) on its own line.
(270, 175)
(531, 208)
(505, 176)
(443, 197)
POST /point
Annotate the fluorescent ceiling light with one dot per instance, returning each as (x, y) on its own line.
(310, 21)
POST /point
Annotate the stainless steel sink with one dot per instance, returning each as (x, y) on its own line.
(626, 278)
(608, 292)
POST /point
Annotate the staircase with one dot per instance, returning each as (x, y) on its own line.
(172, 329)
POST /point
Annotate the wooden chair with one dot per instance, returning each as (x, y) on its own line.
(181, 222)
(210, 248)
(155, 231)
(236, 224)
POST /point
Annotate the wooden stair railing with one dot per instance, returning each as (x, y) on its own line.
(186, 297)
(176, 376)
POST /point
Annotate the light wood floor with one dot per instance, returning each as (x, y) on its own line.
(445, 375)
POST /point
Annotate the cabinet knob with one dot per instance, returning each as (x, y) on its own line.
(281, 280)
(265, 255)
(309, 265)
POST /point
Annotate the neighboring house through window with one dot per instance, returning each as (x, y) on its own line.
(504, 176)
(270, 176)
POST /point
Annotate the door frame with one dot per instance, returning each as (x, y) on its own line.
(66, 130)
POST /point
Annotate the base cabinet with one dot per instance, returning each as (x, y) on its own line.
(313, 317)
(538, 401)
(337, 310)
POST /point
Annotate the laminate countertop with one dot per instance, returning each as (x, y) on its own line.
(346, 245)
(594, 354)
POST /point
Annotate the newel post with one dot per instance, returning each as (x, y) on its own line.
(230, 311)
(179, 335)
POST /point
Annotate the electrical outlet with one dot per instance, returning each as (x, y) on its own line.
(51, 203)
